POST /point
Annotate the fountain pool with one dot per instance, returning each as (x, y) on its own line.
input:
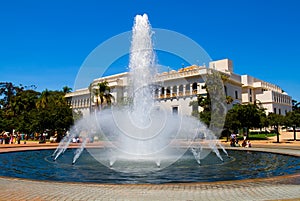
(38, 165)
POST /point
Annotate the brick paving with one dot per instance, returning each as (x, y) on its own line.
(276, 188)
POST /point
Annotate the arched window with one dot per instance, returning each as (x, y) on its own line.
(187, 89)
(195, 87)
(174, 91)
(168, 92)
(181, 90)
(162, 92)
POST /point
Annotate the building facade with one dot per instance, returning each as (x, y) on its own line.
(267, 95)
(175, 90)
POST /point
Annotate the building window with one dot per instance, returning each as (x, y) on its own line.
(250, 91)
(236, 95)
(180, 90)
(175, 90)
(187, 89)
(275, 110)
(195, 87)
(279, 111)
(175, 110)
(250, 99)
(168, 92)
(225, 90)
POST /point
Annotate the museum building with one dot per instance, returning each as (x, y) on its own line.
(175, 90)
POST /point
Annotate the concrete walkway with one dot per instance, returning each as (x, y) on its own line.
(276, 188)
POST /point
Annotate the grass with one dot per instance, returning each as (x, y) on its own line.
(259, 136)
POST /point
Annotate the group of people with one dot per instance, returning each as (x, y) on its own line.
(234, 142)
(10, 138)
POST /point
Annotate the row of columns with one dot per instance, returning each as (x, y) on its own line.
(163, 92)
(279, 98)
(80, 103)
(179, 90)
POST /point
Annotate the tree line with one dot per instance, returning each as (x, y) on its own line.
(248, 116)
(25, 110)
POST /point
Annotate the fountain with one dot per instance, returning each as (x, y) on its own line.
(143, 144)
(141, 132)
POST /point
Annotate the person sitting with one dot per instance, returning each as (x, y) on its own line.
(248, 144)
(244, 143)
(237, 142)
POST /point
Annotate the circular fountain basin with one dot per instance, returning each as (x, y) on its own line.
(39, 165)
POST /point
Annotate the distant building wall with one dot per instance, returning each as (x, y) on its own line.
(175, 90)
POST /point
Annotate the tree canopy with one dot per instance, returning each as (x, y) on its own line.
(28, 111)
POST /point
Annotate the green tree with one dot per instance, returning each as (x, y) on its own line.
(229, 100)
(276, 120)
(264, 122)
(232, 122)
(205, 103)
(53, 113)
(104, 94)
(66, 89)
(292, 119)
(24, 103)
(295, 105)
(43, 100)
(29, 111)
(10, 105)
(244, 116)
(7, 91)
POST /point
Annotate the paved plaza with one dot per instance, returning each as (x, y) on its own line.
(276, 188)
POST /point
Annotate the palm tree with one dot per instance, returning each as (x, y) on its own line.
(67, 89)
(43, 100)
(104, 94)
(101, 94)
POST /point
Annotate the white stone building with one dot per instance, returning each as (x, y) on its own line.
(175, 90)
(268, 95)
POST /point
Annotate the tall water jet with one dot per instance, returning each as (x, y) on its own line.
(142, 70)
(141, 125)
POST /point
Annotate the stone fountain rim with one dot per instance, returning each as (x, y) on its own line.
(36, 147)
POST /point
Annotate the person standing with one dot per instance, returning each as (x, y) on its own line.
(18, 140)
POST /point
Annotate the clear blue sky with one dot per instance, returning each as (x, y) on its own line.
(45, 42)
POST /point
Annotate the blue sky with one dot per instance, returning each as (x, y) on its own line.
(45, 42)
